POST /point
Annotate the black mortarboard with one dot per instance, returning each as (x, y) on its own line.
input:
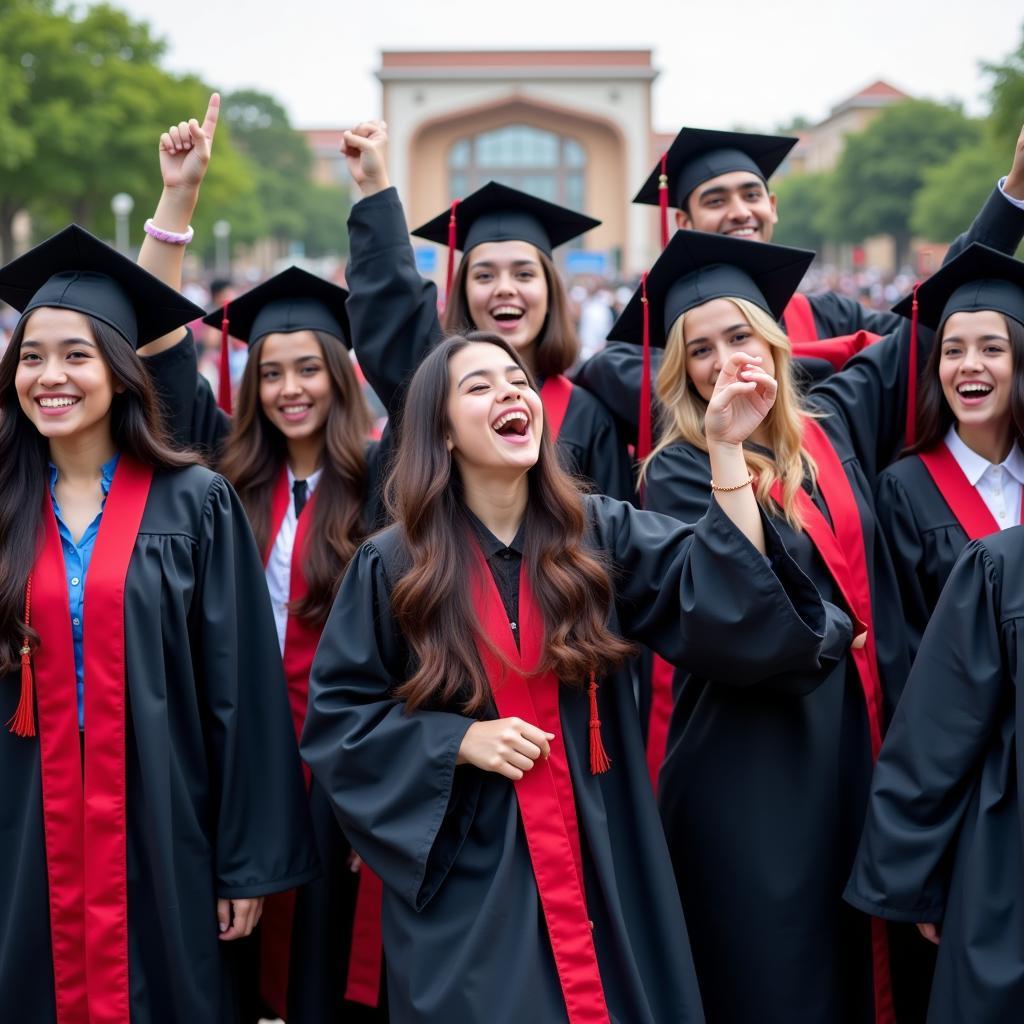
(497, 213)
(75, 270)
(979, 278)
(699, 154)
(696, 267)
(293, 300)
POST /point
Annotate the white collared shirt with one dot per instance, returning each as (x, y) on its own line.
(999, 486)
(279, 565)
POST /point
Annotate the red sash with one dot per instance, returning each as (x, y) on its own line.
(963, 499)
(841, 547)
(555, 396)
(837, 351)
(547, 804)
(86, 822)
(799, 319)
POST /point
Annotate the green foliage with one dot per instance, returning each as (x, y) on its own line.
(1007, 93)
(803, 202)
(325, 208)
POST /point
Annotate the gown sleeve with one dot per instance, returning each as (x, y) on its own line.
(705, 599)
(606, 462)
(613, 375)
(392, 311)
(927, 768)
(837, 315)
(407, 823)
(679, 485)
(263, 835)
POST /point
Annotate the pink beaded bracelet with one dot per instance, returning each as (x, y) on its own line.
(171, 237)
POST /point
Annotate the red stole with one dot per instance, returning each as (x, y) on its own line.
(555, 396)
(547, 804)
(963, 499)
(841, 547)
(836, 351)
(799, 319)
(86, 820)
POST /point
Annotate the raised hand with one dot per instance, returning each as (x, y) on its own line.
(744, 394)
(1014, 184)
(185, 149)
(364, 148)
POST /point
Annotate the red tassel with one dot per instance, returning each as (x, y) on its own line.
(23, 722)
(644, 430)
(599, 761)
(663, 198)
(911, 427)
(451, 253)
(224, 380)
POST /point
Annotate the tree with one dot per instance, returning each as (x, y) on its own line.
(803, 200)
(325, 208)
(1007, 92)
(882, 168)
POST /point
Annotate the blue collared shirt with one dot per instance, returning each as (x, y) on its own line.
(76, 564)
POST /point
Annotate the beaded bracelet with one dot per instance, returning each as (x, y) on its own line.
(171, 237)
(735, 487)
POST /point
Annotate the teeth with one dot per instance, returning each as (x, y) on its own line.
(974, 389)
(509, 417)
(56, 403)
(507, 311)
(294, 408)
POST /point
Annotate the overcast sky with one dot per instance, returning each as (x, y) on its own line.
(730, 62)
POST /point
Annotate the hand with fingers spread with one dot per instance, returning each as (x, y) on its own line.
(365, 148)
(185, 150)
(507, 746)
(744, 394)
(237, 918)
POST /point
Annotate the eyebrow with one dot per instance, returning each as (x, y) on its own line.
(511, 368)
(32, 343)
(721, 189)
(728, 330)
(984, 337)
(515, 263)
(299, 359)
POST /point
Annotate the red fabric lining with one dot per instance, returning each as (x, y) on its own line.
(555, 396)
(799, 319)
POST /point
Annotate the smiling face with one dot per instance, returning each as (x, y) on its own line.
(295, 385)
(495, 418)
(976, 368)
(63, 382)
(737, 204)
(507, 292)
(711, 333)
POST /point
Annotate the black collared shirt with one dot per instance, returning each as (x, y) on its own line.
(505, 562)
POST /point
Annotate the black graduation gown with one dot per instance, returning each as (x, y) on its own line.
(924, 536)
(614, 374)
(943, 838)
(214, 787)
(463, 930)
(393, 315)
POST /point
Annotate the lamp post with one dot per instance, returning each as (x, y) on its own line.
(122, 205)
(222, 235)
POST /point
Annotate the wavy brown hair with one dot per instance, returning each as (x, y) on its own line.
(254, 456)
(431, 601)
(934, 416)
(557, 346)
(136, 429)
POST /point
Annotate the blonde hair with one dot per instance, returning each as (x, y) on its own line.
(683, 414)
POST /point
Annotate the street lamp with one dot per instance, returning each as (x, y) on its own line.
(222, 234)
(122, 204)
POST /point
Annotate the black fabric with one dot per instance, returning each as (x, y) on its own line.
(447, 840)
(504, 561)
(943, 838)
(300, 495)
(75, 270)
(393, 313)
(214, 789)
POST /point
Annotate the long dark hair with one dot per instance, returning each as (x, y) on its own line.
(935, 417)
(254, 456)
(431, 601)
(136, 428)
(557, 346)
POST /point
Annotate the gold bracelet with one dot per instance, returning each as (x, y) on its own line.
(735, 487)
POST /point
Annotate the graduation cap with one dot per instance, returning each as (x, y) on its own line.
(978, 278)
(699, 154)
(497, 213)
(75, 270)
(695, 268)
(291, 301)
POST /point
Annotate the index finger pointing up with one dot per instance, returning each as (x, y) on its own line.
(212, 113)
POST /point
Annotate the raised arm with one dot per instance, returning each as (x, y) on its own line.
(392, 311)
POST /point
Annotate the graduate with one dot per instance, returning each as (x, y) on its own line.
(942, 843)
(505, 283)
(719, 183)
(773, 778)
(297, 451)
(467, 719)
(962, 479)
(152, 793)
